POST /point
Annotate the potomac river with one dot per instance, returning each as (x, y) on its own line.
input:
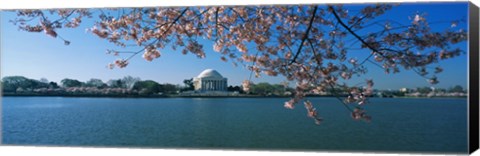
(412, 125)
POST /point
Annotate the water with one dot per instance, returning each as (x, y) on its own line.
(398, 125)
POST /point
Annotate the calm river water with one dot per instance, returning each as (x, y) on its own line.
(398, 125)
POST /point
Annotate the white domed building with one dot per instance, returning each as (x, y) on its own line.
(210, 80)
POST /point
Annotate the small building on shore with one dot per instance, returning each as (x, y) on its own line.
(210, 80)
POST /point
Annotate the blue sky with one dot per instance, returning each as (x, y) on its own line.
(36, 56)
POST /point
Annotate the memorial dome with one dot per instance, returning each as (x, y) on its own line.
(210, 73)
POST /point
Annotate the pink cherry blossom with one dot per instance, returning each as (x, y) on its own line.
(289, 104)
(151, 53)
(246, 85)
(121, 63)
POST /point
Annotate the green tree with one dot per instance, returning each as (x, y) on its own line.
(11, 83)
(440, 90)
(262, 88)
(71, 83)
(95, 83)
(456, 88)
(44, 80)
(424, 90)
(279, 89)
(53, 85)
(168, 88)
(188, 84)
(17, 80)
(116, 83)
(147, 87)
(235, 89)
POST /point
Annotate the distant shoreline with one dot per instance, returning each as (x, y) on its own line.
(143, 96)
(196, 96)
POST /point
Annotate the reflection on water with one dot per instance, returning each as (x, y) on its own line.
(410, 125)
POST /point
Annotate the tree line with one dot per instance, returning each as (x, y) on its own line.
(134, 86)
(127, 85)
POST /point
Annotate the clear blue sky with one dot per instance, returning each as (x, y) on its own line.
(35, 55)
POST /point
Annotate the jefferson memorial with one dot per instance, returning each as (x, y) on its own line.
(210, 80)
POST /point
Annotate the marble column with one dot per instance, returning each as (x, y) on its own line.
(214, 85)
(206, 85)
(209, 84)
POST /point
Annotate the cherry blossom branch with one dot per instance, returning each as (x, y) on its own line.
(337, 96)
(358, 21)
(216, 24)
(351, 31)
(65, 17)
(363, 41)
(163, 34)
(305, 36)
(314, 53)
(379, 24)
(241, 18)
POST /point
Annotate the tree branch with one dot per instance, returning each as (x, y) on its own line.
(241, 18)
(216, 24)
(171, 24)
(351, 31)
(357, 22)
(314, 53)
(337, 96)
(305, 36)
